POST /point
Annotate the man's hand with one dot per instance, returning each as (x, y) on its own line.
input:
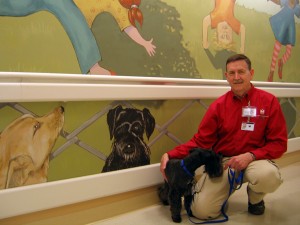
(239, 162)
(163, 164)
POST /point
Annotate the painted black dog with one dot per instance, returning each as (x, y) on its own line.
(180, 175)
(127, 127)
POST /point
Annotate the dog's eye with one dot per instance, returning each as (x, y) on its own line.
(137, 129)
(36, 126)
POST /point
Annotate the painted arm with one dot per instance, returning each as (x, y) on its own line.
(242, 33)
(205, 25)
(134, 34)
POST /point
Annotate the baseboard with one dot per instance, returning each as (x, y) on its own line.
(89, 211)
(288, 158)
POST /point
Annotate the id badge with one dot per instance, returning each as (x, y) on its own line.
(249, 111)
(247, 126)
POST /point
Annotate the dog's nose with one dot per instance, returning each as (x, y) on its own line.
(62, 109)
(129, 148)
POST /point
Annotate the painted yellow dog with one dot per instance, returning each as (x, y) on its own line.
(25, 147)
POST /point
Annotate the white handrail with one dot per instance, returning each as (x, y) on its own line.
(22, 87)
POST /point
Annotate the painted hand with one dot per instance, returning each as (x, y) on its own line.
(150, 48)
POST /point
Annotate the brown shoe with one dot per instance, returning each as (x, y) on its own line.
(257, 209)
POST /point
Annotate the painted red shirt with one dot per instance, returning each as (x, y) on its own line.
(220, 128)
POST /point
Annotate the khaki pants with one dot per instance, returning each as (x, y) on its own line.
(262, 176)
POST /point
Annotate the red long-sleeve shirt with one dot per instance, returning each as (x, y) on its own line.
(220, 128)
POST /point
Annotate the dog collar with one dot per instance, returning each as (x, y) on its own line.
(185, 169)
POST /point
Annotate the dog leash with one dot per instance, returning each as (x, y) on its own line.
(232, 182)
(186, 169)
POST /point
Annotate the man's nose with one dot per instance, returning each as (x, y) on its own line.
(236, 76)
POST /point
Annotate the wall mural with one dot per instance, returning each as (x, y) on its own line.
(27, 143)
(42, 142)
(283, 27)
(223, 20)
(160, 38)
(77, 16)
(155, 38)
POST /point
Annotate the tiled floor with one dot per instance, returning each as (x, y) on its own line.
(282, 207)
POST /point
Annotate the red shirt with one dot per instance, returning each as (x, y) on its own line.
(220, 128)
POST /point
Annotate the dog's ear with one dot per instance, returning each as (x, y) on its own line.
(111, 119)
(149, 122)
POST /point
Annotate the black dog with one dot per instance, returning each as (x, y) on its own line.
(180, 175)
(127, 127)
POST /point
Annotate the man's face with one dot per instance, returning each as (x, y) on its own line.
(239, 76)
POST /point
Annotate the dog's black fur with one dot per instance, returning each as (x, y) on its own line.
(127, 127)
(180, 179)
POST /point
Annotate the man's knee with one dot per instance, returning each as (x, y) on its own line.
(268, 178)
(204, 211)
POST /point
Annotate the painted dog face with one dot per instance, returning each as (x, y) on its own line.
(25, 146)
(130, 120)
(127, 127)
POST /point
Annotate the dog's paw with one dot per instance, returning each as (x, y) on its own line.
(176, 219)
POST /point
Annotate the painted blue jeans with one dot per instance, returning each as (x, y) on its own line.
(70, 17)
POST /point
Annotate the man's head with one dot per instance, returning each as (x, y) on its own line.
(239, 74)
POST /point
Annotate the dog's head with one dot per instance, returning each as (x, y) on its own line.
(122, 121)
(127, 126)
(211, 160)
(32, 135)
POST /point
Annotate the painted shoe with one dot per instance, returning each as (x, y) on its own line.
(112, 73)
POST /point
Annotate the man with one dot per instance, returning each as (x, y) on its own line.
(246, 125)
